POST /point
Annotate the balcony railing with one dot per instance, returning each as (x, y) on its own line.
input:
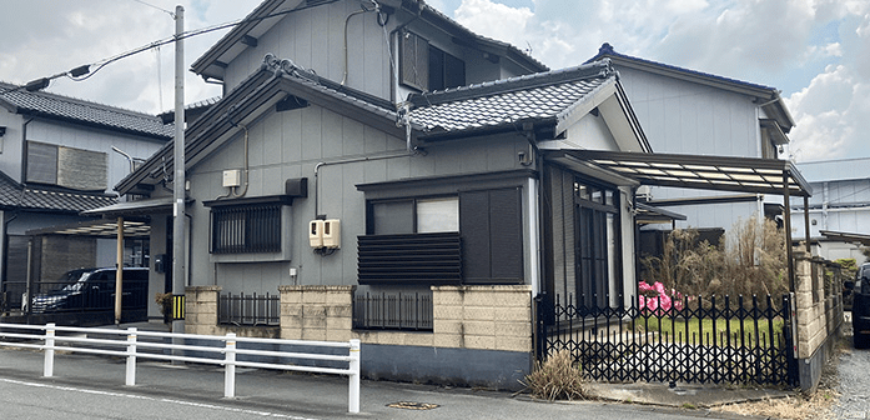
(393, 311)
(250, 310)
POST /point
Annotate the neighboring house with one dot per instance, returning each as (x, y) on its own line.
(464, 203)
(684, 111)
(56, 160)
(839, 208)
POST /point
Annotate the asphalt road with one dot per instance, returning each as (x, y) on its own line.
(90, 387)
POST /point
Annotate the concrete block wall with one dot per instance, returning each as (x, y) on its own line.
(316, 312)
(819, 317)
(465, 317)
(201, 315)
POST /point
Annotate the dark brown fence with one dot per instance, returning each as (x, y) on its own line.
(393, 311)
(700, 339)
(250, 310)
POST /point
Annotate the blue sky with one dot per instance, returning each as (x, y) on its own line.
(817, 52)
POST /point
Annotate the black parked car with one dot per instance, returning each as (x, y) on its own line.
(93, 289)
(861, 309)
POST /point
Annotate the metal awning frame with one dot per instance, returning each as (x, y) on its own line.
(718, 173)
(104, 228)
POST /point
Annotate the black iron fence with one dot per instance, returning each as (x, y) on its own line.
(249, 310)
(393, 311)
(701, 339)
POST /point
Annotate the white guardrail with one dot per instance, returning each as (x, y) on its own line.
(230, 350)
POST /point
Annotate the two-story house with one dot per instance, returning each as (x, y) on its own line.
(56, 160)
(396, 178)
(684, 111)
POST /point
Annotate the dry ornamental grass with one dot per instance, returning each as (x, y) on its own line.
(557, 378)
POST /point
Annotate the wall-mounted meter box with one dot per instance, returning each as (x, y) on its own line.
(332, 234)
(315, 233)
(232, 178)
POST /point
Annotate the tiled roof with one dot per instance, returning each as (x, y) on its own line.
(15, 196)
(606, 50)
(542, 96)
(274, 76)
(91, 113)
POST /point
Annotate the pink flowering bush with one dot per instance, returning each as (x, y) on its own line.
(654, 299)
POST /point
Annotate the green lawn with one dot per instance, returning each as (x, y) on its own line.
(676, 331)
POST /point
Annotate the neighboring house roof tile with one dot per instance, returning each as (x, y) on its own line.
(85, 112)
(542, 96)
(15, 196)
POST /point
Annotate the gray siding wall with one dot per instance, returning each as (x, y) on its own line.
(53, 132)
(684, 117)
(314, 39)
(290, 145)
(688, 118)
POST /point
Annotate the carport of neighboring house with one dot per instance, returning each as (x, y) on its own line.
(125, 222)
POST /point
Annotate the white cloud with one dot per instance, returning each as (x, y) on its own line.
(830, 115)
(37, 44)
(495, 20)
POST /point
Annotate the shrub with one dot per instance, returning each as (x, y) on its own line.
(557, 378)
(750, 260)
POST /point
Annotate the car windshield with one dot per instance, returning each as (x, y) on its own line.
(76, 278)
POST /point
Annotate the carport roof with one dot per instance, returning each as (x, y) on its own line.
(102, 228)
(722, 173)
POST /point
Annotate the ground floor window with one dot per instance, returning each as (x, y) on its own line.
(597, 234)
(483, 229)
(246, 229)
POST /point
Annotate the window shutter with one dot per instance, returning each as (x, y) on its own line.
(41, 163)
(414, 61)
(81, 169)
(492, 236)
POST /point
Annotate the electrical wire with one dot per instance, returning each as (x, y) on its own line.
(156, 7)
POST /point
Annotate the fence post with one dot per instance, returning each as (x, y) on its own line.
(48, 370)
(353, 388)
(230, 367)
(131, 356)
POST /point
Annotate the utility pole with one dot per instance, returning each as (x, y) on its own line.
(178, 211)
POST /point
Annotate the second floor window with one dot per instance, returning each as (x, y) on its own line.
(68, 167)
(428, 68)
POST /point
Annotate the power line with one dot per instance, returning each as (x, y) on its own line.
(156, 7)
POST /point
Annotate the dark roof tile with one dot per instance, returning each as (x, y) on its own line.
(540, 96)
(62, 107)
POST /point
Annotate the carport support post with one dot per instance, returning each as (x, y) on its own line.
(807, 224)
(119, 273)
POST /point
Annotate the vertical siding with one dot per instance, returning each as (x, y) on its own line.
(303, 138)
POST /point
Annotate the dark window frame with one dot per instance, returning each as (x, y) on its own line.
(486, 229)
(427, 68)
(247, 229)
(591, 242)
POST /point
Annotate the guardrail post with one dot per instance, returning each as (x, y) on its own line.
(353, 388)
(230, 367)
(131, 356)
(48, 370)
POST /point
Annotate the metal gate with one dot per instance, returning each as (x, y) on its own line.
(699, 339)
